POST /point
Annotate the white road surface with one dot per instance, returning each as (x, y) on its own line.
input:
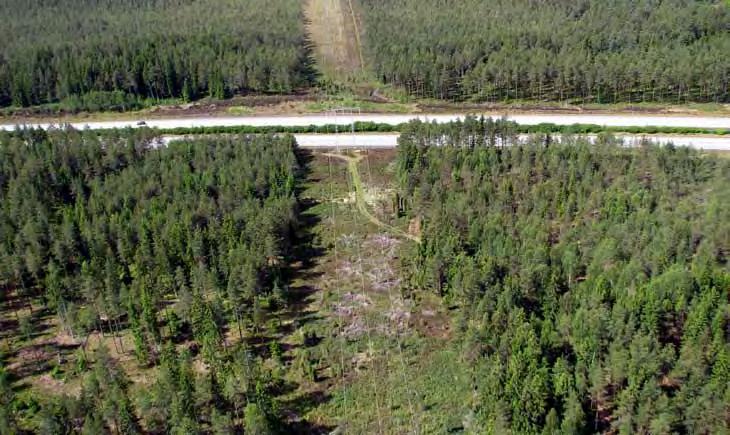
(305, 120)
(390, 140)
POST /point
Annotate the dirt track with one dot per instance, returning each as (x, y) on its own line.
(334, 30)
(360, 197)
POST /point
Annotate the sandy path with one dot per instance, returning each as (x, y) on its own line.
(333, 28)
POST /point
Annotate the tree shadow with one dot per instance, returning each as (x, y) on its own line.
(40, 358)
(300, 274)
(302, 404)
(307, 65)
(305, 248)
(7, 327)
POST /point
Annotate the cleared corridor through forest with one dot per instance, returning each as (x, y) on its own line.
(334, 30)
(362, 206)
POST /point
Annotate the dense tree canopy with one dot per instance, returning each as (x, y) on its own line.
(171, 245)
(113, 54)
(592, 280)
(624, 50)
(95, 54)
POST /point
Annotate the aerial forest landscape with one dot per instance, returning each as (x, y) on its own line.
(364, 217)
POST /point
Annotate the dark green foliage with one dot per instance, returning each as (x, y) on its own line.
(103, 403)
(592, 280)
(111, 54)
(118, 237)
(360, 127)
(255, 421)
(589, 50)
(8, 423)
(105, 396)
(369, 127)
(118, 224)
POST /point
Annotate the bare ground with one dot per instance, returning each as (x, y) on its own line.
(334, 29)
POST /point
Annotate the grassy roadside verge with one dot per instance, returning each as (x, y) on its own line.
(312, 102)
(365, 94)
(372, 127)
(646, 108)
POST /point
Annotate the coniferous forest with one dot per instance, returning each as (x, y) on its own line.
(594, 51)
(583, 284)
(110, 54)
(483, 277)
(174, 247)
(116, 55)
(590, 281)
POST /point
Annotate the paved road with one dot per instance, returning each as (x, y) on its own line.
(390, 140)
(304, 120)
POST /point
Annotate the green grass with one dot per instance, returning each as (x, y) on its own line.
(356, 96)
(372, 127)
(596, 129)
(140, 105)
(719, 153)
(424, 388)
(431, 104)
(336, 353)
(240, 110)
(360, 127)
(350, 101)
(393, 383)
(352, 167)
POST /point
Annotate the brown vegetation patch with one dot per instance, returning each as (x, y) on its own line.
(430, 320)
